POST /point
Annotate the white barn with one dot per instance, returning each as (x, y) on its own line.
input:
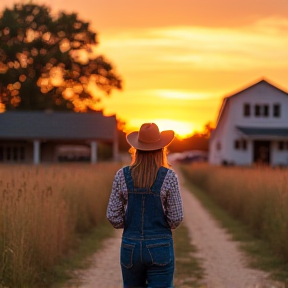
(252, 128)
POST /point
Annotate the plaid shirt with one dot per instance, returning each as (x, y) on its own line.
(170, 198)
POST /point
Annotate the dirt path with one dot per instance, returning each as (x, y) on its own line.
(105, 269)
(224, 264)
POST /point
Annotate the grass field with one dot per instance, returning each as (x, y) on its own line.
(257, 198)
(43, 210)
(188, 270)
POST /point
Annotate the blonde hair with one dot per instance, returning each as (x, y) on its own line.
(145, 164)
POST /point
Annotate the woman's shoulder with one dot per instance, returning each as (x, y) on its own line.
(120, 172)
(171, 179)
(171, 173)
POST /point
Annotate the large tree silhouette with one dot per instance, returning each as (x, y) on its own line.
(48, 62)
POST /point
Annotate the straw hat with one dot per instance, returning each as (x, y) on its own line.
(149, 138)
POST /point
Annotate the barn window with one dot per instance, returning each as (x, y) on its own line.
(218, 146)
(240, 144)
(261, 110)
(246, 110)
(237, 144)
(266, 110)
(257, 110)
(276, 110)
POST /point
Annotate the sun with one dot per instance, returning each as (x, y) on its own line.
(182, 129)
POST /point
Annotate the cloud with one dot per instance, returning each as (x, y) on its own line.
(261, 44)
(180, 94)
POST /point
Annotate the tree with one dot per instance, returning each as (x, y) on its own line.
(195, 142)
(122, 142)
(198, 141)
(49, 62)
(208, 129)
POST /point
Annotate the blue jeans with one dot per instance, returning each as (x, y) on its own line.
(147, 263)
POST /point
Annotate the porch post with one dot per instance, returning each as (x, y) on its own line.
(93, 152)
(36, 152)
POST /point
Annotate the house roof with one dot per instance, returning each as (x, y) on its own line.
(256, 132)
(57, 125)
(255, 84)
(227, 98)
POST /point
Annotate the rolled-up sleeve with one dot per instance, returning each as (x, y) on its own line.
(173, 201)
(116, 205)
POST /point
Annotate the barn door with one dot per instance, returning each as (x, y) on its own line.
(262, 152)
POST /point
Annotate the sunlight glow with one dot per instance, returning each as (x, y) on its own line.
(180, 95)
(185, 65)
(182, 129)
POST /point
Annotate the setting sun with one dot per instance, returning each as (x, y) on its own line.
(182, 129)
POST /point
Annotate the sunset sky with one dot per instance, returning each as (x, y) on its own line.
(178, 59)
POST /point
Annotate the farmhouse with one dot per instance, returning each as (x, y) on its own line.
(252, 127)
(34, 137)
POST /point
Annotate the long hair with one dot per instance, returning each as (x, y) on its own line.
(145, 164)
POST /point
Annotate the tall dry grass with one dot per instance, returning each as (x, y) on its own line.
(42, 211)
(256, 196)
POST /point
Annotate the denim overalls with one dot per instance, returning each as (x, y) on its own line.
(147, 254)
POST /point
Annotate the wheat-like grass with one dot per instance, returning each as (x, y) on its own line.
(42, 210)
(256, 196)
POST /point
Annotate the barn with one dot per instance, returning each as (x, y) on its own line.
(252, 127)
(49, 137)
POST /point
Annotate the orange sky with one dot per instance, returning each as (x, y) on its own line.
(178, 59)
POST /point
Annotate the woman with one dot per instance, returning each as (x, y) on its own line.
(146, 202)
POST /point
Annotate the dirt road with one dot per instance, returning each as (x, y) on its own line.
(224, 264)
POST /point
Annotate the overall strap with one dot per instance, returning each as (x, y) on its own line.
(161, 174)
(128, 178)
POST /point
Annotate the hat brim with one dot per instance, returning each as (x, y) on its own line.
(166, 138)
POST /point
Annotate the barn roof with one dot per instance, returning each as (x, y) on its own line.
(57, 125)
(255, 84)
(227, 98)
